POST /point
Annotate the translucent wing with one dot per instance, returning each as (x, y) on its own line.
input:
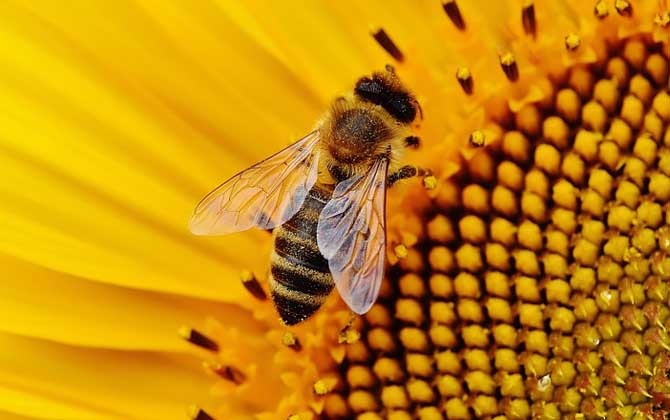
(351, 236)
(264, 195)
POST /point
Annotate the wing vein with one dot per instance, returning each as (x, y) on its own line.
(265, 195)
(351, 235)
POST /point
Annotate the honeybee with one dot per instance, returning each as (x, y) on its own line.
(324, 197)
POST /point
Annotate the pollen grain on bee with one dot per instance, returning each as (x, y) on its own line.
(623, 7)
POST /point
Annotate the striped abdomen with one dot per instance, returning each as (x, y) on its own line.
(300, 280)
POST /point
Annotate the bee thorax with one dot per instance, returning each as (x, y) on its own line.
(354, 135)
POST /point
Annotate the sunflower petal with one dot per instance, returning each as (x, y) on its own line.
(41, 303)
(125, 384)
(104, 159)
(22, 403)
(6, 415)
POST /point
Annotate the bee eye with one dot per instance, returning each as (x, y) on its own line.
(402, 109)
(369, 89)
(397, 103)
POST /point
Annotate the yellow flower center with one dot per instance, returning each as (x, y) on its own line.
(540, 289)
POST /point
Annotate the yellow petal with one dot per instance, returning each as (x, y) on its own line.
(120, 150)
(6, 415)
(319, 41)
(43, 407)
(91, 236)
(126, 384)
(188, 60)
(41, 303)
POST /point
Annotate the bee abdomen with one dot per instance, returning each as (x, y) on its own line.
(300, 279)
(299, 251)
(293, 306)
(297, 290)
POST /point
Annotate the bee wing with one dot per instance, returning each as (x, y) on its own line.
(264, 195)
(351, 236)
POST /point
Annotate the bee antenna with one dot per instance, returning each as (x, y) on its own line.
(418, 105)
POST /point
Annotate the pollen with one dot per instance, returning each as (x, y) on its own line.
(477, 138)
(291, 340)
(572, 41)
(623, 7)
(401, 251)
(601, 10)
(430, 182)
(324, 386)
(349, 335)
(539, 286)
(464, 78)
(509, 66)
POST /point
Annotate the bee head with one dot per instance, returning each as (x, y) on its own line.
(386, 90)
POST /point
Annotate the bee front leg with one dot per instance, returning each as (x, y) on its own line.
(407, 171)
(412, 141)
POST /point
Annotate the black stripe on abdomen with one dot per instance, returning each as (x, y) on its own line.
(293, 306)
(297, 262)
(298, 250)
(300, 277)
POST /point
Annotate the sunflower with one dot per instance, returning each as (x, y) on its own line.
(528, 275)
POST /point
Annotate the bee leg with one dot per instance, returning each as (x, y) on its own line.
(344, 335)
(407, 171)
(412, 141)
